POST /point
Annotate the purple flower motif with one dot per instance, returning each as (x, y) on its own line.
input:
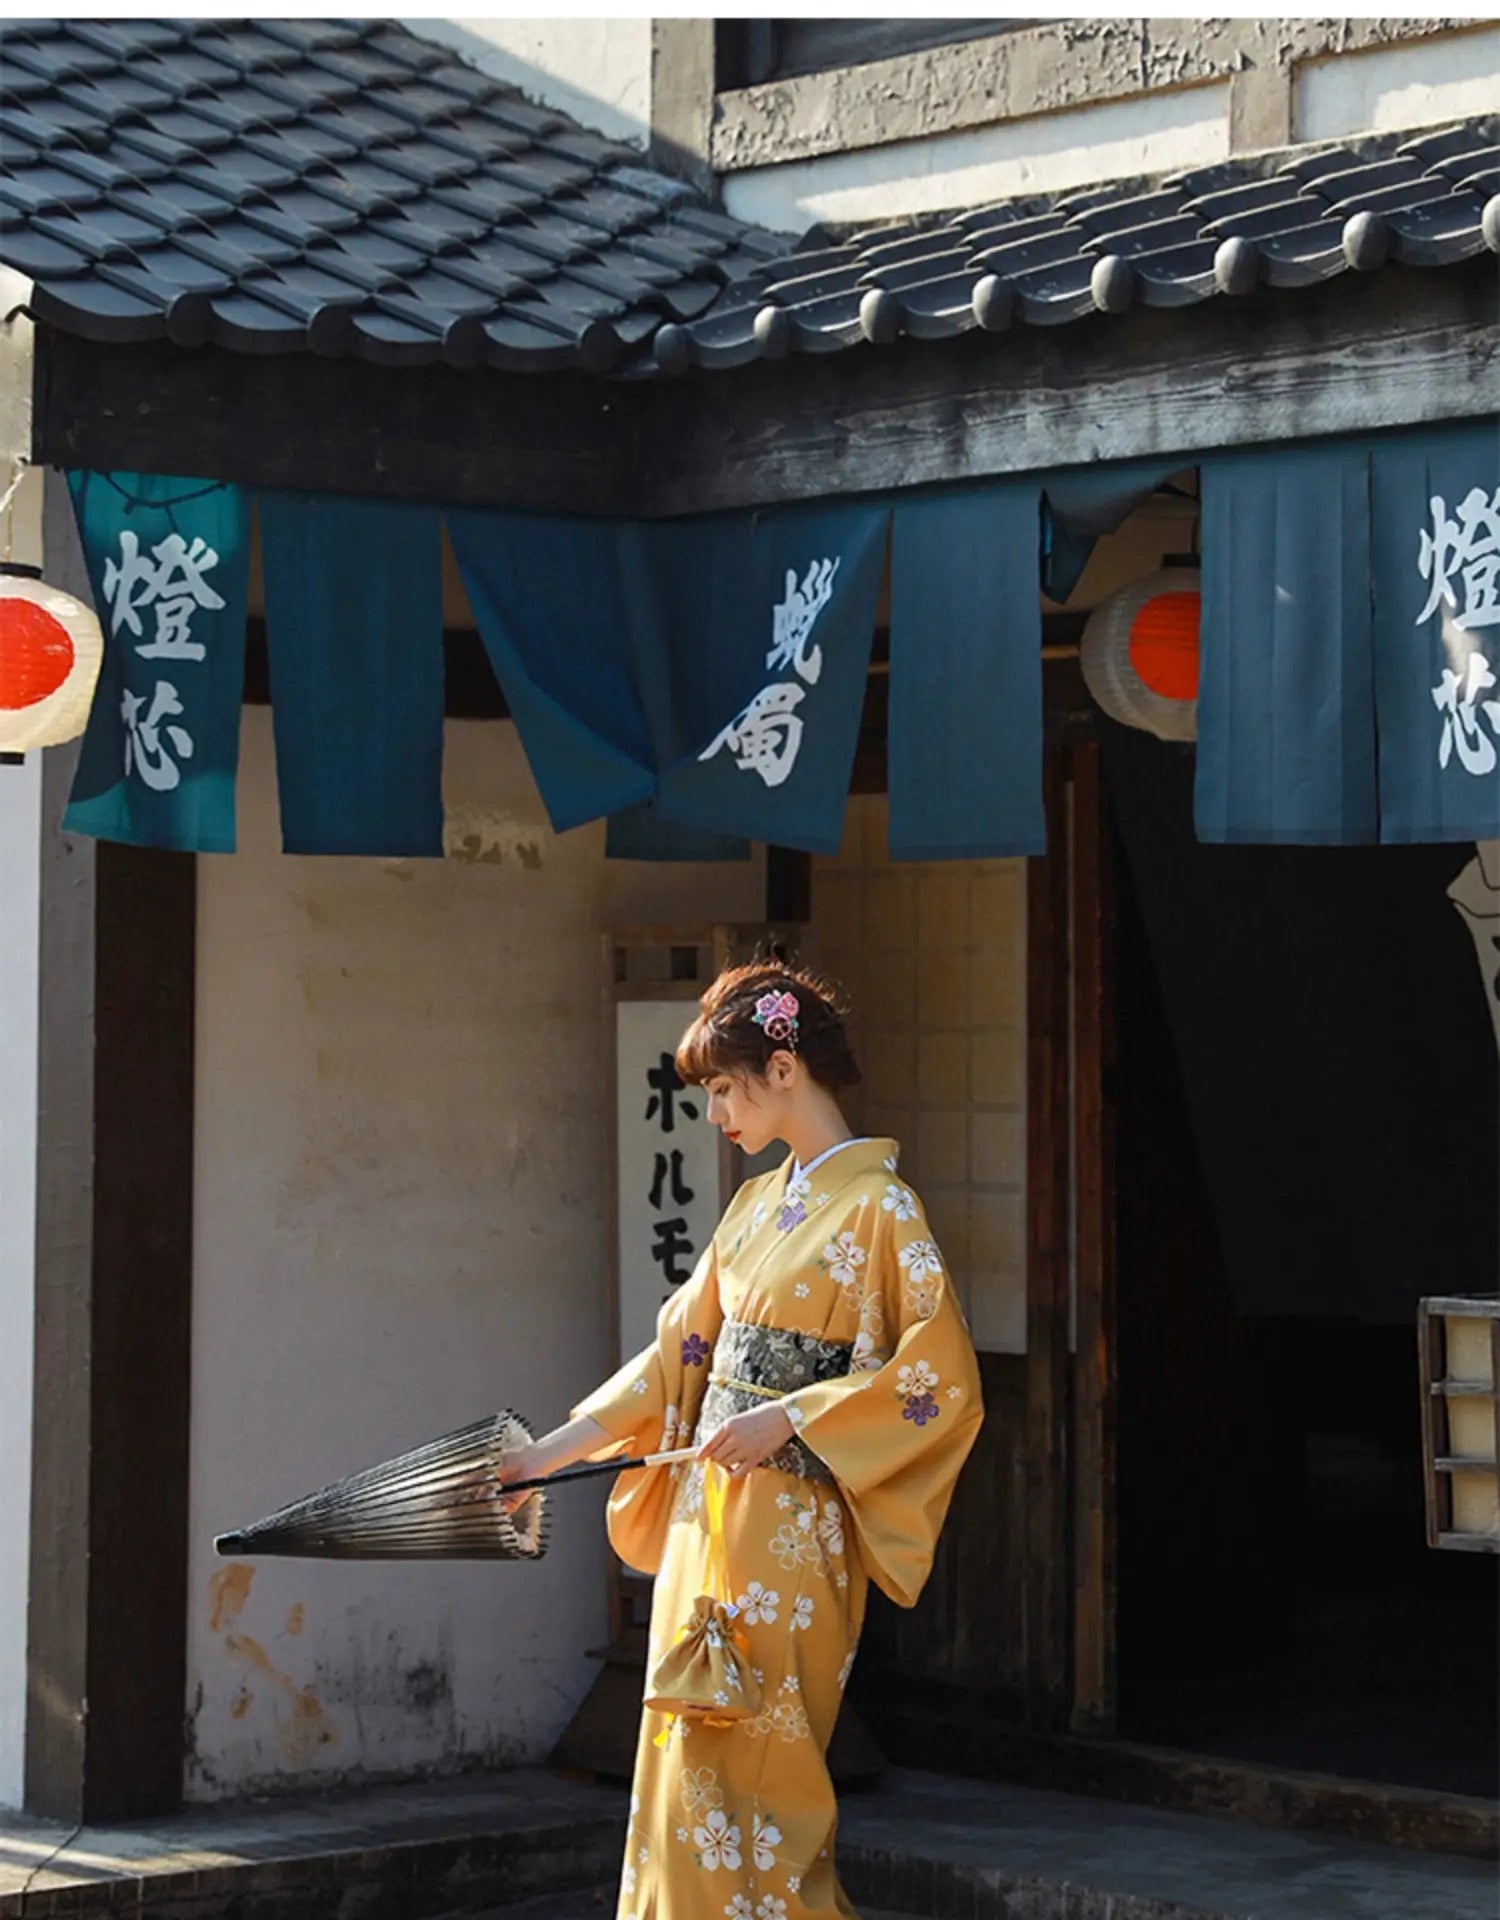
(791, 1215)
(920, 1407)
(695, 1350)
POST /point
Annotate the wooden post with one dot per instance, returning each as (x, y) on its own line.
(1047, 1161)
(1094, 1511)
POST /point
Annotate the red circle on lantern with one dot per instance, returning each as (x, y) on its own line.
(1164, 645)
(36, 653)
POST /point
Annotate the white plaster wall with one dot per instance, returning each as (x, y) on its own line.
(599, 71)
(1042, 155)
(1417, 84)
(399, 1225)
(20, 832)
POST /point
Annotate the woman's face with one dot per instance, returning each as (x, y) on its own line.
(747, 1109)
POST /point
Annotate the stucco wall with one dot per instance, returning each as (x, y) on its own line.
(1044, 154)
(20, 828)
(597, 70)
(399, 1226)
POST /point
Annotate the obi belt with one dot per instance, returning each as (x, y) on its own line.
(756, 1364)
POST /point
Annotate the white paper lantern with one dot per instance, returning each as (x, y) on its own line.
(50, 650)
(1139, 654)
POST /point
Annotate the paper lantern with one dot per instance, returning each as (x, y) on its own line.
(50, 650)
(1139, 654)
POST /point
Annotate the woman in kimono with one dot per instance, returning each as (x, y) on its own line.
(819, 1360)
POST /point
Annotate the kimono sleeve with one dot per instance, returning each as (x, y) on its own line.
(650, 1405)
(897, 1430)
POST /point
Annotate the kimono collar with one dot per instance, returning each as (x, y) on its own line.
(852, 1160)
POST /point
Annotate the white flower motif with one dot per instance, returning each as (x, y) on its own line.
(682, 1835)
(700, 1790)
(831, 1529)
(805, 1518)
(791, 1722)
(841, 1580)
(760, 1675)
(955, 1393)
(900, 1201)
(802, 1612)
(791, 1684)
(759, 1603)
(794, 1883)
(802, 1289)
(644, 1855)
(794, 1548)
(822, 1199)
(844, 1257)
(921, 1259)
(628, 1880)
(721, 1698)
(718, 1844)
(918, 1378)
(771, 1908)
(765, 1837)
(637, 1386)
(740, 1908)
(783, 1500)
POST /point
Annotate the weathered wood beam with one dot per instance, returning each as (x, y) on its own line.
(1355, 355)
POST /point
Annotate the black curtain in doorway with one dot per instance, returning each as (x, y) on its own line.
(1336, 1045)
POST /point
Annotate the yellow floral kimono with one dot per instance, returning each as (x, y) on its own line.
(824, 1291)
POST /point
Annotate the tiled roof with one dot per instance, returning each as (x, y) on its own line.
(335, 185)
(346, 187)
(1281, 221)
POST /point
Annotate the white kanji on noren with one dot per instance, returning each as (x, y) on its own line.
(145, 750)
(792, 621)
(766, 735)
(170, 582)
(1456, 697)
(1461, 557)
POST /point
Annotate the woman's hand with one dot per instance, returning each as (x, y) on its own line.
(520, 1465)
(746, 1439)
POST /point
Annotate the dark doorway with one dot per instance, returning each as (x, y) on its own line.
(1307, 1142)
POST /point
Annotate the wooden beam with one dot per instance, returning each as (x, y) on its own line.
(1047, 1278)
(1095, 1567)
(107, 1632)
(1355, 355)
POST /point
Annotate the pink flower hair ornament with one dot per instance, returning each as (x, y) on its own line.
(776, 1015)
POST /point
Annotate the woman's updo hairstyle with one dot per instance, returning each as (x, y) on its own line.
(726, 1038)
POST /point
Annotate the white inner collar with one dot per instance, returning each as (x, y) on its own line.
(799, 1172)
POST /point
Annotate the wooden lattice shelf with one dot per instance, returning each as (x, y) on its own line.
(1459, 1342)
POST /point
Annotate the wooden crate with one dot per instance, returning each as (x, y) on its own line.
(1459, 1345)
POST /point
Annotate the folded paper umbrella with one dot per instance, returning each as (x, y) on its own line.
(441, 1501)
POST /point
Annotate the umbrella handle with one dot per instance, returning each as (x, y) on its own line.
(601, 1467)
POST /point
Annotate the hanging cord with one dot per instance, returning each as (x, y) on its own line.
(8, 504)
(134, 500)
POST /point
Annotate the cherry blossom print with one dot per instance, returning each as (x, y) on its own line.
(831, 1528)
(842, 1260)
(901, 1202)
(918, 1378)
(718, 1843)
(758, 1603)
(920, 1408)
(695, 1350)
(765, 1837)
(700, 1790)
(802, 1613)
